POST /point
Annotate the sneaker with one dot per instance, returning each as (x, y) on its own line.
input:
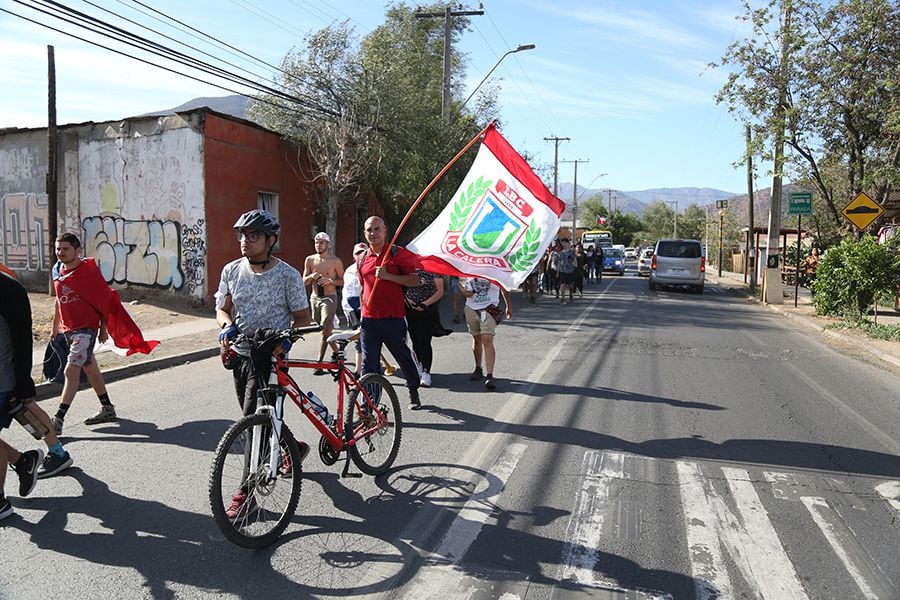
(476, 374)
(286, 468)
(26, 468)
(242, 505)
(107, 414)
(426, 379)
(414, 403)
(562, 301)
(489, 383)
(57, 425)
(53, 464)
(319, 372)
(6, 509)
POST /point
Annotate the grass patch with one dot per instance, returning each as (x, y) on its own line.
(878, 332)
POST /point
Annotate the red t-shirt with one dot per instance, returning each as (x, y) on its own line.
(74, 312)
(388, 300)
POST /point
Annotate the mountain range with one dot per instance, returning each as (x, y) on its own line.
(632, 201)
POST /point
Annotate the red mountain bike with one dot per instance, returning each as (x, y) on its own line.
(254, 482)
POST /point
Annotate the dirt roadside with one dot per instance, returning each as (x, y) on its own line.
(149, 312)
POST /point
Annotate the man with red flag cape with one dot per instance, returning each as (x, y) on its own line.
(87, 310)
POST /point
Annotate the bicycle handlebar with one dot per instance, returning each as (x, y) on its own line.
(296, 332)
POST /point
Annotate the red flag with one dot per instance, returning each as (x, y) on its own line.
(88, 283)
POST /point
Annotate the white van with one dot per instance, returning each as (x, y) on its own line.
(678, 262)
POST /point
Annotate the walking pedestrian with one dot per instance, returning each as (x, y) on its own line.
(257, 291)
(422, 319)
(565, 270)
(482, 317)
(580, 265)
(17, 387)
(324, 272)
(383, 309)
(350, 299)
(87, 310)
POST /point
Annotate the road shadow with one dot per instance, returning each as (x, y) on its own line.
(195, 435)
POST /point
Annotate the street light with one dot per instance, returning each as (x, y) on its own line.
(497, 64)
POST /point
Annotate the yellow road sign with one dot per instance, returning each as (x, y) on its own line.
(862, 211)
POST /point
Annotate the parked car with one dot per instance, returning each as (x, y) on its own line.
(630, 254)
(614, 260)
(643, 263)
(678, 262)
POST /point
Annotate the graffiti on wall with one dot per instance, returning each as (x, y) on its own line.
(193, 242)
(142, 252)
(24, 235)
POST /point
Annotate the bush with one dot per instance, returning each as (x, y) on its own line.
(852, 275)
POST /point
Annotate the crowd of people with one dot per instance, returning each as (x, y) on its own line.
(564, 269)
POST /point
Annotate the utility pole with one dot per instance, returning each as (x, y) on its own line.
(751, 235)
(51, 182)
(575, 193)
(772, 289)
(675, 229)
(609, 204)
(556, 141)
(448, 15)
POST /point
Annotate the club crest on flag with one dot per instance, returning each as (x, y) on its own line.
(497, 224)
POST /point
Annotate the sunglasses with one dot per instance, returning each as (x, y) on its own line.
(250, 236)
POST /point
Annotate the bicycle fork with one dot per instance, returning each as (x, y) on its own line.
(274, 409)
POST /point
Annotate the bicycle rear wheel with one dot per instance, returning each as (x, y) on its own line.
(251, 505)
(374, 452)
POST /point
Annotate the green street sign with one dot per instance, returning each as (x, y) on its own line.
(800, 203)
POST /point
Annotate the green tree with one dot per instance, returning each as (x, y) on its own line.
(732, 238)
(692, 223)
(658, 220)
(624, 226)
(841, 109)
(593, 208)
(852, 275)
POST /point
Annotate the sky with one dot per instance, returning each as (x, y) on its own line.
(627, 81)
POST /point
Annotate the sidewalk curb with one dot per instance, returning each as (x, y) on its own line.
(888, 358)
(46, 390)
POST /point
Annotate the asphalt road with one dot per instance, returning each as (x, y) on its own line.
(640, 444)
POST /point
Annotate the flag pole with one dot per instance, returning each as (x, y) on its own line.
(441, 173)
(433, 183)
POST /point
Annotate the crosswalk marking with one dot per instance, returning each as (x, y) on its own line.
(437, 580)
(593, 506)
(890, 491)
(823, 505)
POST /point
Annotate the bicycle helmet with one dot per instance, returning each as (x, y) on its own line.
(261, 220)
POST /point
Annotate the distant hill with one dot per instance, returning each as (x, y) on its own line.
(234, 105)
(636, 201)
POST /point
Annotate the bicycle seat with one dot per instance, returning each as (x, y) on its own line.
(343, 336)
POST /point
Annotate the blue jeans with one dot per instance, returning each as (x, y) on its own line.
(390, 332)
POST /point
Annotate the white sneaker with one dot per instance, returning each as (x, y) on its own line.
(426, 379)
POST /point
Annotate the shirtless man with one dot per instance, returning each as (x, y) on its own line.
(324, 272)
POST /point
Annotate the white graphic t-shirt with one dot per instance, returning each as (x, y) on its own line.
(486, 293)
(264, 299)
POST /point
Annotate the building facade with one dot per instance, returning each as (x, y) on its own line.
(153, 199)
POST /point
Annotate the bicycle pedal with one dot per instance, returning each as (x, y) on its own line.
(351, 475)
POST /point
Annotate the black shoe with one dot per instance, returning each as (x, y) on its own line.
(414, 403)
(319, 372)
(489, 383)
(476, 375)
(53, 464)
(6, 508)
(26, 467)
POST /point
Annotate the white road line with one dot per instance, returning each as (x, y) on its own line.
(866, 573)
(440, 579)
(586, 524)
(890, 491)
(707, 567)
(818, 506)
(583, 535)
(770, 569)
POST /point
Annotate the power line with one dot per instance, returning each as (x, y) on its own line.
(310, 107)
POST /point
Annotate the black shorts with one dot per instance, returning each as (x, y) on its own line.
(567, 278)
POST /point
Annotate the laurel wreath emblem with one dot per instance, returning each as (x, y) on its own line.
(523, 258)
(462, 207)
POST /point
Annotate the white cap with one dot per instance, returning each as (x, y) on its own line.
(322, 236)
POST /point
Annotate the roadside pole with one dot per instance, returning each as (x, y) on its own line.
(797, 274)
(721, 205)
(799, 203)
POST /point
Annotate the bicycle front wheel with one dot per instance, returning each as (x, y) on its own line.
(250, 504)
(374, 424)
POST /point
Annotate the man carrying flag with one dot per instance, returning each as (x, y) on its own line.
(499, 222)
(86, 310)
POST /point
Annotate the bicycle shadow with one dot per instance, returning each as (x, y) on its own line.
(171, 549)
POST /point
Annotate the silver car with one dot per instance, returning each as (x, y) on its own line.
(643, 263)
(678, 262)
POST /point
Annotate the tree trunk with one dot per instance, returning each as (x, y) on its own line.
(332, 202)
